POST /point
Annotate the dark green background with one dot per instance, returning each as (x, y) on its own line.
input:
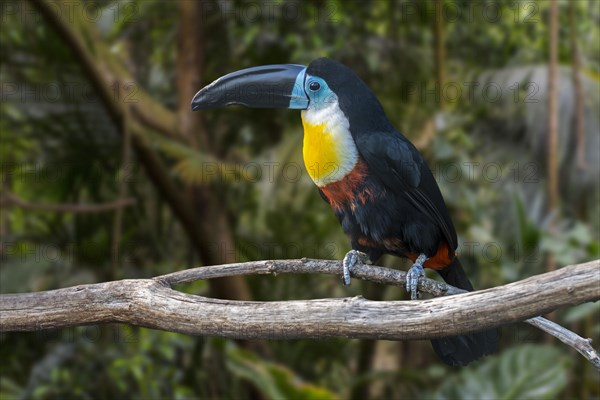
(483, 132)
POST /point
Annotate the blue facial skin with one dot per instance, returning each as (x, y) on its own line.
(299, 100)
(310, 92)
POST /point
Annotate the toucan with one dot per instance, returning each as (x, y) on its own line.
(375, 180)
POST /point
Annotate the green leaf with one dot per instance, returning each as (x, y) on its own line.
(275, 381)
(522, 372)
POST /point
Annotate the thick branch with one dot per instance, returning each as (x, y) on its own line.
(372, 274)
(152, 303)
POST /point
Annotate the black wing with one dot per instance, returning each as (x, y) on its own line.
(402, 169)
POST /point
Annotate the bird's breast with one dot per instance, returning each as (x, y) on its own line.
(350, 191)
(329, 150)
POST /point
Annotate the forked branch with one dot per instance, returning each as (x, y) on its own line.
(153, 303)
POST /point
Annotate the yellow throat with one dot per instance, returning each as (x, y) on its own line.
(329, 150)
(321, 155)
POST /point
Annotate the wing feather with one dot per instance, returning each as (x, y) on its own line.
(402, 169)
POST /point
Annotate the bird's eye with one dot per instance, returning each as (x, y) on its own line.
(314, 86)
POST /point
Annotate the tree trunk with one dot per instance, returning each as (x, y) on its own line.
(210, 214)
(578, 126)
(552, 166)
(552, 151)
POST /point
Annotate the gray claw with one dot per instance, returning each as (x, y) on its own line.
(351, 259)
(412, 280)
(413, 275)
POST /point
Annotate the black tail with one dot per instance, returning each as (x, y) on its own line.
(461, 350)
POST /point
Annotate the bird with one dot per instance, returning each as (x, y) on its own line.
(375, 180)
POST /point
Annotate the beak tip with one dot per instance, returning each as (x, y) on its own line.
(196, 102)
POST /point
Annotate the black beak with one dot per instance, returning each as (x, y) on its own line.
(269, 86)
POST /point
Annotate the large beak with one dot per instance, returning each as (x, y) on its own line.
(269, 86)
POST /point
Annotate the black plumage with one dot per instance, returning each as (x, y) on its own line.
(385, 197)
(397, 208)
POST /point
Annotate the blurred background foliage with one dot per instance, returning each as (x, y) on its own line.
(95, 108)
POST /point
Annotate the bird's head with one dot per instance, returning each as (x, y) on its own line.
(337, 107)
(323, 83)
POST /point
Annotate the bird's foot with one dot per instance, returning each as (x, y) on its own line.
(351, 259)
(413, 275)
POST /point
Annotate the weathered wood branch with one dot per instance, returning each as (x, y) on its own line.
(153, 303)
(582, 345)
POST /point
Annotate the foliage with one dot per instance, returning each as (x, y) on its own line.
(522, 372)
(273, 380)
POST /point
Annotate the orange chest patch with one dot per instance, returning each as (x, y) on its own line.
(348, 188)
